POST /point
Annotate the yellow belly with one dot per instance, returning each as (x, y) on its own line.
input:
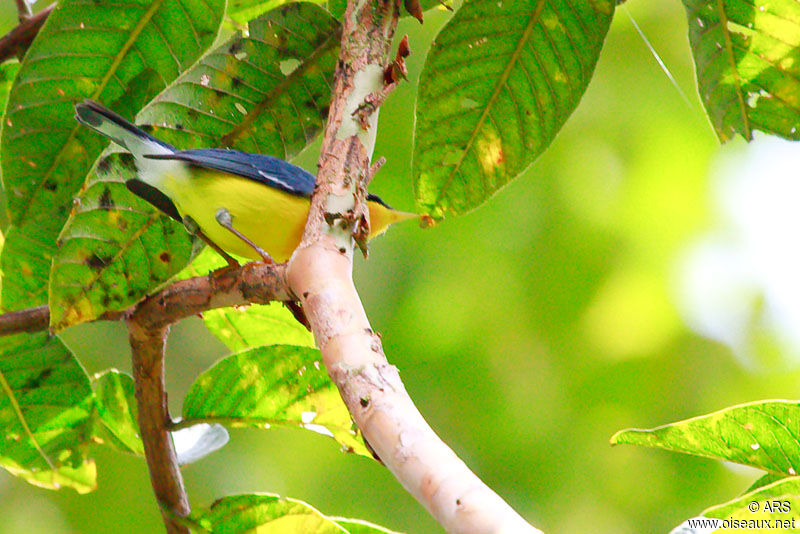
(273, 219)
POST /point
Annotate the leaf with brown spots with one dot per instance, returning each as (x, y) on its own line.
(267, 92)
(491, 101)
(119, 56)
(46, 407)
(114, 249)
(278, 385)
(763, 434)
(202, 108)
(271, 513)
(747, 56)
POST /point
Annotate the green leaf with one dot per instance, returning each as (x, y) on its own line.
(263, 513)
(764, 434)
(276, 385)
(119, 54)
(114, 249)
(769, 478)
(257, 325)
(499, 82)
(8, 73)
(268, 92)
(774, 502)
(116, 407)
(243, 328)
(357, 526)
(747, 57)
(242, 11)
(88, 50)
(204, 107)
(46, 406)
(25, 262)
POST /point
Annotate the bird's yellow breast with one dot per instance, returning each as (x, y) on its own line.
(270, 217)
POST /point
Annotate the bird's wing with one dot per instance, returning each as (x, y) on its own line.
(153, 196)
(267, 170)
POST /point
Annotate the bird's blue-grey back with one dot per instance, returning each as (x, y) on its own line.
(268, 170)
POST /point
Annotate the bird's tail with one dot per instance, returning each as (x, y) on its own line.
(119, 130)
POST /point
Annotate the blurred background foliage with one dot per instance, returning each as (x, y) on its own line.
(618, 283)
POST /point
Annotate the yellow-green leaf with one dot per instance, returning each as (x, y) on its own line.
(499, 82)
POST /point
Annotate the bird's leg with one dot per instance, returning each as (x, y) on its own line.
(193, 228)
(225, 219)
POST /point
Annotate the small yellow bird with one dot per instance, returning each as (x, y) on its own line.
(250, 205)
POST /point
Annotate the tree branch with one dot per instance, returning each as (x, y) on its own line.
(20, 38)
(148, 325)
(320, 274)
(147, 347)
(28, 320)
(254, 283)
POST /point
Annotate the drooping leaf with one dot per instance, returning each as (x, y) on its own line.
(243, 95)
(252, 326)
(764, 434)
(114, 249)
(116, 407)
(119, 54)
(276, 385)
(499, 82)
(264, 513)
(775, 502)
(46, 404)
(747, 57)
(198, 441)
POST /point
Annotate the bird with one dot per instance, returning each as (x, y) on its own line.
(250, 205)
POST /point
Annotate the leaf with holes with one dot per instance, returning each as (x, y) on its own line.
(747, 57)
(46, 406)
(277, 385)
(121, 54)
(764, 434)
(267, 93)
(499, 82)
(116, 407)
(113, 250)
(243, 328)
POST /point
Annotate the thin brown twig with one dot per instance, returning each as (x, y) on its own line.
(148, 326)
(19, 39)
(28, 320)
(254, 283)
(147, 352)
